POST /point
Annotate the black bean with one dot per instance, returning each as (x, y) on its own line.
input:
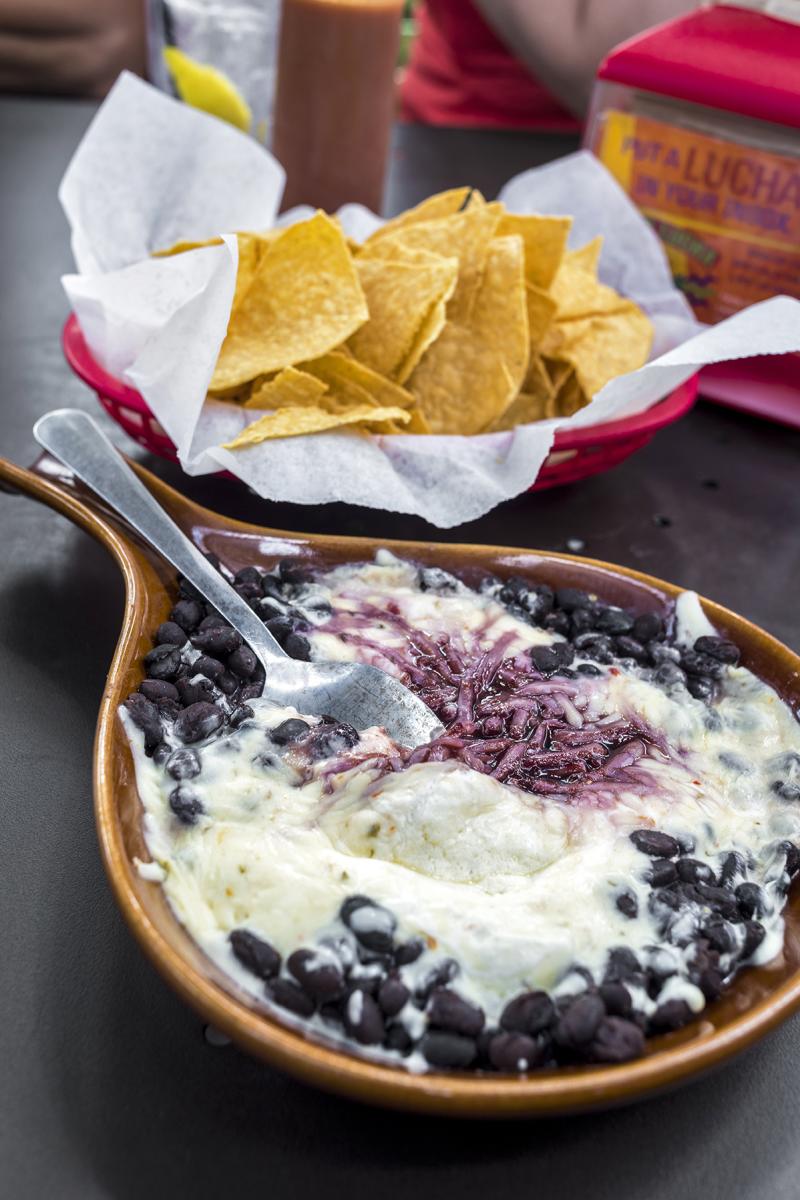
(251, 690)
(249, 574)
(719, 935)
(544, 659)
(186, 804)
(297, 646)
(243, 712)
(614, 621)
(249, 592)
(655, 843)
(217, 640)
(442, 973)
(287, 994)
(162, 662)
(754, 934)
(228, 683)
(628, 647)
(515, 1052)
(701, 664)
(627, 904)
(161, 753)
(720, 899)
(751, 900)
(145, 716)
(447, 1010)
(670, 674)
(564, 652)
(397, 1038)
(786, 790)
(193, 691)
(372, 924)
(616, 998)
(569, 599)
(704, 971)
(719, 648)
(289, 731)
(693, 870)
(363, 1019)
(659, 653)
(648, 627)
(198, 721)
(662, 873)
(158, 689)
(434, 579)
(672, 1014)
(280, 628)
(211, 668)
(578, 1024)
(187, 590)
(243, 662)
(792, 858)
(408, 952)
(581, 620)
(393, 995)
(187, 613)
(294, 573)
(588, 669)
(700, 687)
(318, 973)
(733, 865)
(448, 1050)
(170, 634)
(621, 965)
(212, 621)
(333, 740)
(183, 764)
(351, 903)
(616, 1041)
(557, 622)
(530, 1013)
(594, 645)
(254, 953)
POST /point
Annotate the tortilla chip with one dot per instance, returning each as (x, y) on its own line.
(473, 371)
(604, 346)
(542, 310)
(545, 241)
(295, 422)
(288, 388)
(353, 382)
(537, 380)
(579, 294)
(465, 235)
(400, 297)
(443, 204)
(523, 410)
(586, 257)
(182, 246)
(304, 299)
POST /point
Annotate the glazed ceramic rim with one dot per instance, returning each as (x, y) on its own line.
(548, 1093)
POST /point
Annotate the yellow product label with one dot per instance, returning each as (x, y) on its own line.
(728, 214)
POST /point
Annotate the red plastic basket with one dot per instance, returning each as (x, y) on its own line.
(576, 453)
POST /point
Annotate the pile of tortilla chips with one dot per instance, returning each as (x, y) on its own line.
(456, 317)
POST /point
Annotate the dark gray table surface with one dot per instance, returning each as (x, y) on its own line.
(108, 1086)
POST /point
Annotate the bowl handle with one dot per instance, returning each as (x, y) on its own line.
(49, 482)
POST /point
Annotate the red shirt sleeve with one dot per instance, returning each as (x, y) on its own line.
(461, 74)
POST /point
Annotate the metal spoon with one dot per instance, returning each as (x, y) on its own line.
(353, 692)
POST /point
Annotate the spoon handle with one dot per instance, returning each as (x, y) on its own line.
(74, 438)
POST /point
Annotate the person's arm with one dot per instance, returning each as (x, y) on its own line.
(69, 47)
(563, 41)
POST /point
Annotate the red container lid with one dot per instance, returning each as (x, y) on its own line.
(724, 57)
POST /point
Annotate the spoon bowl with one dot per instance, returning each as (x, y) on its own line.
(757, 1001)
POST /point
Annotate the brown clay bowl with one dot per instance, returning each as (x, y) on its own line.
(758, 1000)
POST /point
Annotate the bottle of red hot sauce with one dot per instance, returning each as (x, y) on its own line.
(335, 99)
